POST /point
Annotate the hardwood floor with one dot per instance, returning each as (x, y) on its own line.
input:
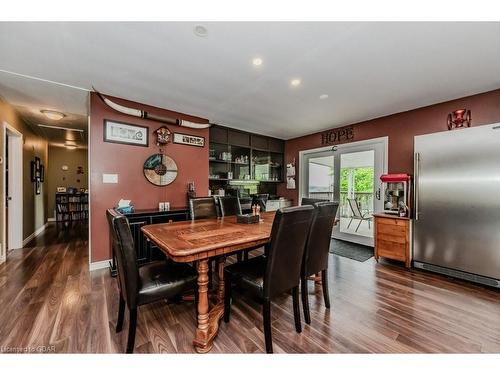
(49, 299)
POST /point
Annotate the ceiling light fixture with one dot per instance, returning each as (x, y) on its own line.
(295, 82)
(323, 96)
(200, 31)
(53, 115)
(61, 128)
(257, 61)
(70, 145)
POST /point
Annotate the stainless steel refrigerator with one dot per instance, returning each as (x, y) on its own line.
(456, 230)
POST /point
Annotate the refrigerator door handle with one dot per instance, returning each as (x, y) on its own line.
(416, 167)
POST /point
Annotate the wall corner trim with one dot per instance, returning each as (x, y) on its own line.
(34, 234)
(99, 265)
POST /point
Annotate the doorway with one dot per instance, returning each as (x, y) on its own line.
(13, 189)
(349, 174)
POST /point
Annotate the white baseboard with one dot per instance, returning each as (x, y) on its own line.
(99, 265)
(33, 235)
(51, 219)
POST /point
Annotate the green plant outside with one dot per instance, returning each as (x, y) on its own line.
(363, 179)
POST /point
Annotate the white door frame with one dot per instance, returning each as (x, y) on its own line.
(384, 141)
(13, 232)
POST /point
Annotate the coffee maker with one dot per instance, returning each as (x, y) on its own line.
(396, 193)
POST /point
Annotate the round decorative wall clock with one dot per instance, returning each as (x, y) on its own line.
(160, 169)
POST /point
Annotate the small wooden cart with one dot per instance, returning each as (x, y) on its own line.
(392, 237)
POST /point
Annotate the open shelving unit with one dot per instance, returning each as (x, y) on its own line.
(237, 157)
(72, 206)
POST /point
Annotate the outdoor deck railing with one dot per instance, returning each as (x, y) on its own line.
(365, 200)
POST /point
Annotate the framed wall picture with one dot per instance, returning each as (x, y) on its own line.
(42, 173)
(130, 134)
(33, 171)
(37, 167)
(190, 140)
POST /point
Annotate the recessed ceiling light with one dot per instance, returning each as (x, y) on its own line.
(295, 82)
(200, 30)
(53, 115)
(323, 96)
(257, 61)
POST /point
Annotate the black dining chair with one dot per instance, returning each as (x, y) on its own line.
(310, 201)
(279, 271)
(317, 251)
(229, 206)
(203, 208)
(150, 283)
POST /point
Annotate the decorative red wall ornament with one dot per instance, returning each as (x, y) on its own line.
(461, 118)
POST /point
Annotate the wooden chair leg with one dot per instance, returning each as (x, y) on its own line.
(121, 313)
(296, 309)
(239, 257)
(266, 314)
(326, 295)
(227, 297)
(131, 330)
(305, 299)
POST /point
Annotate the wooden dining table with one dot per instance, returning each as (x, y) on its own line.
(200, 241)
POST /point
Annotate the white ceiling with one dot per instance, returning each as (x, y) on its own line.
(29, 97)
(367, 69)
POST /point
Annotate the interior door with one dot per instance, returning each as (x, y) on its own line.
(14, 189)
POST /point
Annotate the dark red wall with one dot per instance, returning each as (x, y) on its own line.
(127, 162)
(401, 129)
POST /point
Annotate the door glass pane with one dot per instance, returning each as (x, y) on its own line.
(356, 192)
(321, 181)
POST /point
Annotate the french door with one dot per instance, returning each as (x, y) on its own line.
(348, 174)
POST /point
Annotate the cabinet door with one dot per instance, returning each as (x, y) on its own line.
(238, 138)
(276, 145)
(155, 252)
(260, 142)
(218, 134)
(142, 246)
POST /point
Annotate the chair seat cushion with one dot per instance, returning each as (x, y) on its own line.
(164, 279)
(249, 273)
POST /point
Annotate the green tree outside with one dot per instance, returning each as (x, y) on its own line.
(363, 179)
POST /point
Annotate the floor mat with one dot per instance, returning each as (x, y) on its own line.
(351, 250)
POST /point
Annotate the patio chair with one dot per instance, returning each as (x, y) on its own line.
(357, 213)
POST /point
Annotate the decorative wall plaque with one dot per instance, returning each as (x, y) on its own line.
(191, 140)
(163, 136)
(337, 135)
(160, 169)
(461, 118)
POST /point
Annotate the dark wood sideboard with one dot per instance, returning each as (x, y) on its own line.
(145, 250)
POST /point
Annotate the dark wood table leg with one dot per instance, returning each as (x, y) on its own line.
(208, 319)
